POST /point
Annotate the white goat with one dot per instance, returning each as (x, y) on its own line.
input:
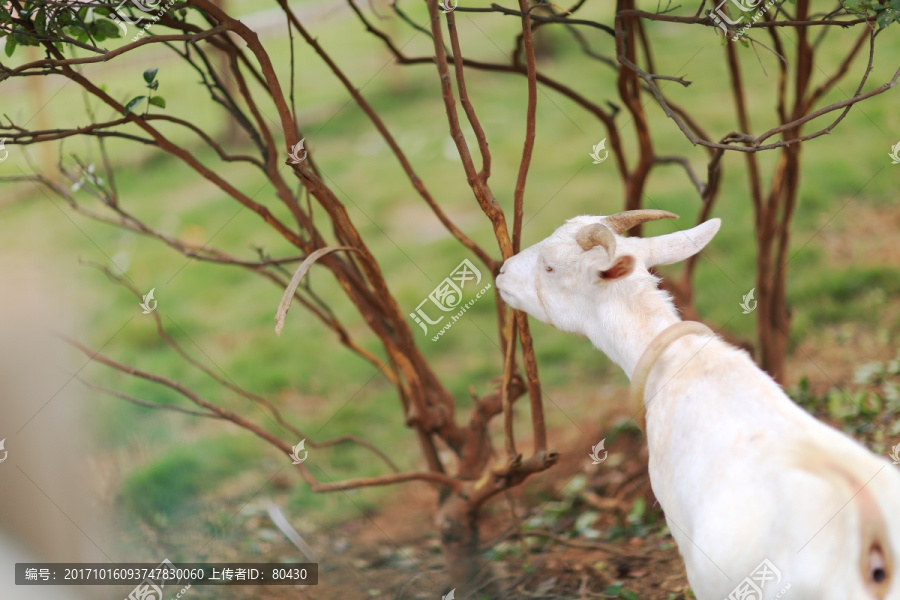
(743, 474)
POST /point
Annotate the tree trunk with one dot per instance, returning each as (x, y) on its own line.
(457, 524)
(773, 235)
(771, 350)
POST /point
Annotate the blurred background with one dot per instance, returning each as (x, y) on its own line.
(92, 477)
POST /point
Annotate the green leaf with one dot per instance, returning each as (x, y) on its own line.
(132, 104)
(638, 509)
(884, 18)
(10, 45)
(96, 34)
(617, 591)
(108, 29)
(158, 101)
(21, 36)
(150, 74)
(40, 22)
(153, 85)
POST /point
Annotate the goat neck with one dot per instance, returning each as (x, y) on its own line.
(627, 323)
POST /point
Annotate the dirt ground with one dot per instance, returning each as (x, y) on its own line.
(394, 552)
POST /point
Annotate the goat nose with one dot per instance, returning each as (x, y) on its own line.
(502, 267)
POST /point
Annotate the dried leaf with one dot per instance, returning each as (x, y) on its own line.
(299, 274)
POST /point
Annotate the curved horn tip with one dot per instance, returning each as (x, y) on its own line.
(596, 234)
(623, 221)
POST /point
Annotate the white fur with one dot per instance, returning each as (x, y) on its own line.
(742, 473)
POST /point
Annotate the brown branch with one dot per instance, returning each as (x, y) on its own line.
(506, 400)
(352, 484)
(762, 24)
(145, 403)
(607, 118)
(26, 137)
(452, 483)
(686, 165)
(842, 70)
(528, 147)
(539, 428)
(110, 54)
(754, 143)
(466, 103)
(849, 102)
(228, 383)
(496, 8)
(417, 183)
(182, 390)
(213, 255)
(188, 158)
(629, 90)
(481, 189)
(740, 105)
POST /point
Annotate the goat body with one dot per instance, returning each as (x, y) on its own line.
(743, 474)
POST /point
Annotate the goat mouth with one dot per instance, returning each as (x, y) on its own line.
(507, 297)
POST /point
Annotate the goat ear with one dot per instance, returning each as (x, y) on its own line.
(622, 267)
(675, 247)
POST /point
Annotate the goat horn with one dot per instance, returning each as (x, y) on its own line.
(623, 221)
(594, 235)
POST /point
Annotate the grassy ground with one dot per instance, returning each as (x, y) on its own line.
(224, 316)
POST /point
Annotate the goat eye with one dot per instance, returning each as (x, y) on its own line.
(549, 269)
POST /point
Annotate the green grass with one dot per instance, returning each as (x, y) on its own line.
(865, 291)
(163, 488)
